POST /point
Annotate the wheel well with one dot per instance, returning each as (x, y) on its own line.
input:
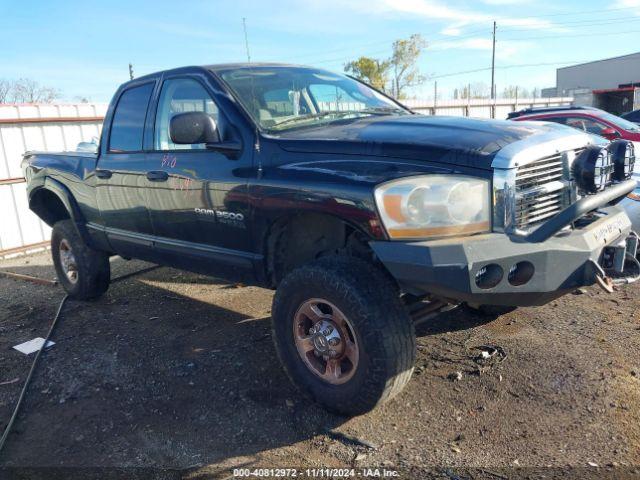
(296, 240)
(48, 206)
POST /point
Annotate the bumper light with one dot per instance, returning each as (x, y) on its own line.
(623, 159)
(593, 169)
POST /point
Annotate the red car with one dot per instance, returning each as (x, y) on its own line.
(591, 120)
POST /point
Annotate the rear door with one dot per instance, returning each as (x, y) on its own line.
(201, 211)
(121, 174)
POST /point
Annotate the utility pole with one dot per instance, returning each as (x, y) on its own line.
(493, 64)
(130, 71)
(435, 96)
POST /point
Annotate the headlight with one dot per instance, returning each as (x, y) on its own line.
(623, 159)
(434, 206)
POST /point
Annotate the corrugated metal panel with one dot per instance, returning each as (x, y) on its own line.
(26, 127)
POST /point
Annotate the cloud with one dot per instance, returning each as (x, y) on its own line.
(504, 49)
(505, 2)
(451, 31)
(629, 4)
(435, 10)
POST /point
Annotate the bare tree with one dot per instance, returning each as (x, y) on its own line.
(5, 89)
(403, 63)
(514, 91)
(473, 90)
(25, 90)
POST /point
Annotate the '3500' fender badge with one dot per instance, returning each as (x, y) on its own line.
(231, 218)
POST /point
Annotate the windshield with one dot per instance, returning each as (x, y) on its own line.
(280, 98)
(620, 122)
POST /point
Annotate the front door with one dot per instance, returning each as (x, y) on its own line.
(121, 181)
(201, 211)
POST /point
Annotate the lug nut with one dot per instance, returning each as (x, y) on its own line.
(334, 341)
(327, 331)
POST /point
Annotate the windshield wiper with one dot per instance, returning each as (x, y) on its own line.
(309, 116)
(382, 110)
(366, 111)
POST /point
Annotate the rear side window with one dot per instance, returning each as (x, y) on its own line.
(127, 126)
(633, 116)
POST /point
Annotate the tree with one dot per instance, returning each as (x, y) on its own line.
(5, 89)
(373, 71)
(25, 90)
(514, 91)
(403, 64)
(473, 90)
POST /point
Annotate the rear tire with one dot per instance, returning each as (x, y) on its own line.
(363, 304)
(83, 272)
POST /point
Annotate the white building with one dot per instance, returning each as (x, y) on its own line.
(612, 84)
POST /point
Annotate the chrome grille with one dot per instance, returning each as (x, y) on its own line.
(541, 190)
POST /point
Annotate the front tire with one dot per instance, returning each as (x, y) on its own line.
(83, 272)
(342, 334)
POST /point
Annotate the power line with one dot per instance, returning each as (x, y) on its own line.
(600, 34)
(389, 42)
(582, 24)
(520, 65)
(584, 12)
(441, 37)
(446, 39)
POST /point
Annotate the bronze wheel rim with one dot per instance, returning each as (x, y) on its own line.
(326, 341)
(68, 261)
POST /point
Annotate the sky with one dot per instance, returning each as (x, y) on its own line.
(83, 48)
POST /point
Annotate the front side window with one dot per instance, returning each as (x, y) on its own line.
(585, 124)
(127, 127)
(280, 98)
(181, 95)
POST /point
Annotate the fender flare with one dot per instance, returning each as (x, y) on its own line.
(70, 204)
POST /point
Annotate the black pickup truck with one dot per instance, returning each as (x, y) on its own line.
(358, 211)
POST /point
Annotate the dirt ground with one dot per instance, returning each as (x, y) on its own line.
(173, 374)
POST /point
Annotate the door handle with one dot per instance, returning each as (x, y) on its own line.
(104, 174)
(157, 176)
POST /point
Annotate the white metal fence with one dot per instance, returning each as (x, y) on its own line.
(35, 127)
(482, 108)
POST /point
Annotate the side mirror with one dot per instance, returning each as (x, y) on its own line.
(193, 128)
(609, 132)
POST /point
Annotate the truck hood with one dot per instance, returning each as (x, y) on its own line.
(450, 140)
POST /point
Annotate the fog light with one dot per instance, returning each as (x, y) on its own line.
(489, 276)
(623, 159)
(593, 169)
(520, 273)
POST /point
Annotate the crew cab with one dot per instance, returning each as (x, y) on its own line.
(361, 214)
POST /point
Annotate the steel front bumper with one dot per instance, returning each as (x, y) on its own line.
(562, 262)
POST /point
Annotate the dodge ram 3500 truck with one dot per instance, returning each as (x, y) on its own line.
(358, 211)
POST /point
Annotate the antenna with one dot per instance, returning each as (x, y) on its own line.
(253, 95)
(130, 71)
(246, 38)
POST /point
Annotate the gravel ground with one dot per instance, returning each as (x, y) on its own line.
(172, 370)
